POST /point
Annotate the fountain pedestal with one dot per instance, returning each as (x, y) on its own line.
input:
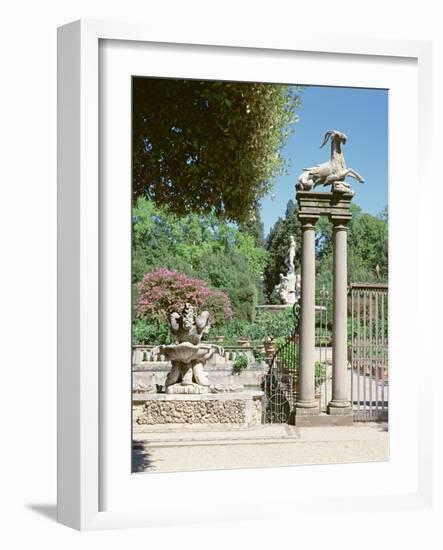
(222, 411)
(190, 401)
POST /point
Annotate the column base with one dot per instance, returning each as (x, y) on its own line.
(307, 408)
(307, 405)
(340, 408)
(322, 419)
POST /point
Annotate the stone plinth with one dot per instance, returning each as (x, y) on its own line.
(312, 205)
(223, 410)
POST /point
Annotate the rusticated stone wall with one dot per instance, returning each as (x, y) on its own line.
(226, 410)
(182, 412)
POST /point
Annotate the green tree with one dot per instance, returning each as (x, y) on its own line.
(367, 249)
(254, 227)
(205, 247)
(208, 146)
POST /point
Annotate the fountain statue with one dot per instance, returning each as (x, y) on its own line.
(289, 286)
(188, 356)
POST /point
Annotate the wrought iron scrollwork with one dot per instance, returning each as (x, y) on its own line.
(280, 383)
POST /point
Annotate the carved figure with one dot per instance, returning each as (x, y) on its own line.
(333, 172)
(290, 256)
(283, 289)
(188, 357)
(187, 327)
(288, 288)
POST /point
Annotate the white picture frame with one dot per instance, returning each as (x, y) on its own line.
(85, 407)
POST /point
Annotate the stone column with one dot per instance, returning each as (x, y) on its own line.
(306, 402)
(340, 403)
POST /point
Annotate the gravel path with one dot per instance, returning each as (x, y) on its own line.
(271, 446)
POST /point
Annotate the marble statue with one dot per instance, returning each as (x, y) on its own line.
(188, 355)
(333, 172)
(289, 286)
(290, 256)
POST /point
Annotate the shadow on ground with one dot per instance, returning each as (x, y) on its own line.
(48, 511)
(383, 427)
(141, 459)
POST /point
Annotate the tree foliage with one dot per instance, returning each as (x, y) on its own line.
(209, 146)
(367, 249)
(204, 247)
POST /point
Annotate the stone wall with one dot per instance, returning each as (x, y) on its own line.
(225, 410)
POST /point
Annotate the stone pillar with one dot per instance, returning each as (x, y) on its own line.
(340, 403)
(306, 402)
(337, 207)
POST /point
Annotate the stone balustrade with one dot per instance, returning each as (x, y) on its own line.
(143, 354)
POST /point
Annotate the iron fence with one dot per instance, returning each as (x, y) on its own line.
(280, 383)
(369, 351)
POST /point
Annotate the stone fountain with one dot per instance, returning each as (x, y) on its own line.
(188, 355)
(289, 287)
(189, 399)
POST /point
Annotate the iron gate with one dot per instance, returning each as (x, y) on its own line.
(280, 385)
(369, 351)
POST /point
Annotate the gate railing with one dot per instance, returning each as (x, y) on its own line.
(369, 351)
(323, 363)
(280, 385)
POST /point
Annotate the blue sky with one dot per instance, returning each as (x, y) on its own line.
(362, 114)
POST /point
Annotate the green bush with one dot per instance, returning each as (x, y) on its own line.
(267, 325)
(155, 332)
(240, 363)
(244, 299)
(280, 325)
(259, 355)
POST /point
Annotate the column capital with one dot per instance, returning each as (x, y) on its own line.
(340, 224)
(308, 222)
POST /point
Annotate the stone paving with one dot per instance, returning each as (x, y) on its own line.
(270, 445)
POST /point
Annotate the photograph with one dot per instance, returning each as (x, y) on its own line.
(260, 271)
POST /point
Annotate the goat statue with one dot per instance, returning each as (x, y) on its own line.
(332, 172)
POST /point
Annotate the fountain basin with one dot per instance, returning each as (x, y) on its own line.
(185, 352)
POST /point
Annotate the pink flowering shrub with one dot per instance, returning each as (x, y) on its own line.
(164, 291)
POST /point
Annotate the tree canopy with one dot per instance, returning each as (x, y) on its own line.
(367, 249)
(218, 265)
(209, 146)
(223, 256)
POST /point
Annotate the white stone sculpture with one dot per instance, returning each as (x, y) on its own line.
(333, 172)
(189, 356)
(290, 256)
(289, 287)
